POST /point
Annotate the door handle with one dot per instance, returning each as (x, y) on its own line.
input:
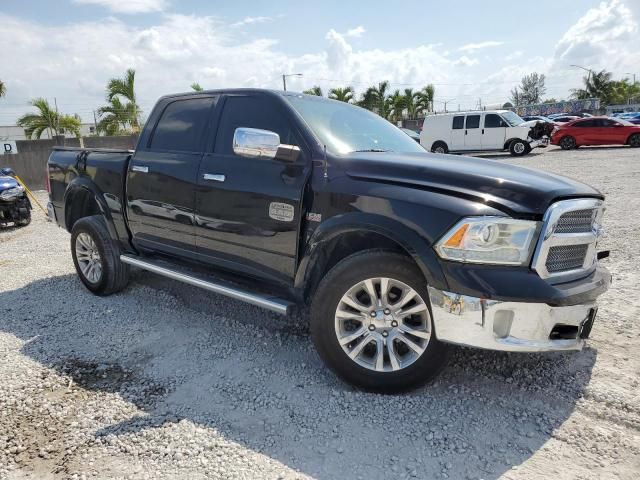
(483, 131)
(216, 177)
(465, 132)
(140, 168)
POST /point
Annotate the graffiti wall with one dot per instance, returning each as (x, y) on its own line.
(569, 106)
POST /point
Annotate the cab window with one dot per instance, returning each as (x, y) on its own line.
(492, 120)
(473, 121)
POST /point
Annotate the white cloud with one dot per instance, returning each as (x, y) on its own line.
(128, 6)
(465, 61)
(471, 47)
(251, 20)
(514, 55)
(356, 32)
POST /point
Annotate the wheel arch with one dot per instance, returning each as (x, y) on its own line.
(507, 143)
(82, 199)
(628, 142)
(337, 238)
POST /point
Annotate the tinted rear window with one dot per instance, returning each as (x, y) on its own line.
(585, 123)
(181, 125)
(473, 121)
(458, 122)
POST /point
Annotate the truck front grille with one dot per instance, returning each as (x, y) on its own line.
(567, 246)
(578, 221)
(566, 257)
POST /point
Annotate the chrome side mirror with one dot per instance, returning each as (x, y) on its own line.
(257, 143)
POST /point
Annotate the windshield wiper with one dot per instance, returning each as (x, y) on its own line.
(371, 150)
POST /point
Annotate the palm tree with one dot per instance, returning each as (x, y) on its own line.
(196, 87)
(375, 99)
(47, 119)
(3, 89)
(410, 103)
(118, 91)
(341, 94)
(596, 85)
(315, 90)
(396, 106)
(424, 99)
(115, 118)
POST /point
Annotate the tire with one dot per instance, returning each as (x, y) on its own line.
(364, 371)
(92, 244)
(518, 148)
(634, 140)
(25, 221)
(439, 147)
(567, 143)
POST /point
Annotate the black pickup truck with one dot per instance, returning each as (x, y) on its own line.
(283, 200)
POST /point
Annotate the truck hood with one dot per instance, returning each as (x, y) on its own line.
(512, 189)
(7, 182)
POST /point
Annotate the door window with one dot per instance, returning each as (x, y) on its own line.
(605, 122)
(458, 122)
(585, 124)
(492, 120)
(182, 124)
(473, 121)
(252, 112)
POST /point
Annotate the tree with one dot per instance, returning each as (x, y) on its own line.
(424, 99)
(120, 90)
(315, 90)
(396, 106)
(342, 94)
(623, 91)
(375, 99)
(115, 118)
(531, 90)
(596, 85)
(195, 86)
(47, 119)
(410, 103)
(550, 100)
(3, 89)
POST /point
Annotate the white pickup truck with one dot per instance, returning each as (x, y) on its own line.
(482, 131)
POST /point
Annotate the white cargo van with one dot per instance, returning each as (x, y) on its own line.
(479, 131)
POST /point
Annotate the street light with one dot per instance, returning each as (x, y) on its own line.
(634, 76)
(284, 78)
(585, 69)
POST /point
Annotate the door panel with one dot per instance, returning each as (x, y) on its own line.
(473, 133)
(248, 219)
(457, 133)
(162, 178)
(494, 131)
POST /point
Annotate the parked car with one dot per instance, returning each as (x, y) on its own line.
(565, 119)
(412, 133)
(485, 131)
(529, 118)
(398, 251)
(633, 117)
(596, 131)
(15, 207)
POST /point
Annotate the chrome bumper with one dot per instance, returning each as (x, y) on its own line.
(506, 326)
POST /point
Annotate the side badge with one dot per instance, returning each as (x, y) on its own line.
(314, 217)
(281, 211)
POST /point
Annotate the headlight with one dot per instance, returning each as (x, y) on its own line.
(497, 240)
(11, 193)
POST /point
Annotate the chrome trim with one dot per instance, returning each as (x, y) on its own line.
(214, 176)
(505, 326)
(254, 142)
(140, 168)
(270, 303)
(550, 239)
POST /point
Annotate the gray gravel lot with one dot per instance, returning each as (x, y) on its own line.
(166, 381)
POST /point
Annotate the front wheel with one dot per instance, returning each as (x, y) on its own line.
(371, 323)
(567, 143)
(97, 257)
(634, 140)
(439, 147)
(517, 148)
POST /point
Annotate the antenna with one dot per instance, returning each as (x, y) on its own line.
(324, 164)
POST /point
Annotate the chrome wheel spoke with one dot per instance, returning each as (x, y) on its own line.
(88, 257)
(418, 308)
(379, 357)
(353, 336)
(410, 343)
(343, 314)
(412, 331)
(407, 296)
(359, 347)
(384, 290)
(395, 364)
(370, 289)
(354, 304)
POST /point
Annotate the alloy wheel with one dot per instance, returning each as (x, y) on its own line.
(383, 324)
(88, 257)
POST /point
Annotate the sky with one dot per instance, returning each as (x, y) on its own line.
(471, 51)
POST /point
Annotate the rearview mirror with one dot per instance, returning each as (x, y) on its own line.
(257, 143)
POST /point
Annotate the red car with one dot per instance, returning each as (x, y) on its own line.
(596, 131)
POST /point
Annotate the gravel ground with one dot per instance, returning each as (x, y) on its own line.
(167, 381)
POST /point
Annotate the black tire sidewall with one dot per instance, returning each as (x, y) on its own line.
(632, 137)
(347, 273)
(513, 144)
(439, 144)
(568, 147)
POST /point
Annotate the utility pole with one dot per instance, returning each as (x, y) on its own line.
(57, 126)
(95, 122)
(284, 79)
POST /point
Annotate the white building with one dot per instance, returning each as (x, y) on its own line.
(13, 132)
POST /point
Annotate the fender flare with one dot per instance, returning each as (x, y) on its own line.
(86, 186)
(409, 240)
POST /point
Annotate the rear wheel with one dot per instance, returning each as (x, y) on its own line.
(567, 143)
(634, 140)
(371, 323)
(96, 257)
(517, 148)
(439, 147)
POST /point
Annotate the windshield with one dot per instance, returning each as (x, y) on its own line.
(345, 128)
(512, 119)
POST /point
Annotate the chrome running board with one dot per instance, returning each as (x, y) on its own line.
(274, 304)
